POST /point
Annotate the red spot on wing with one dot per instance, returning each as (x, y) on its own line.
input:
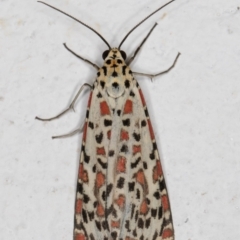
(155, 174)
(104, 108)
(101, 151)
(142, 97)
(85, 132)
(109, 134)
(79, 236)
(120, 201)
(89, 100)
(79, 206)
(115, 224)
(157, 171)
(128, 107)
(136, 149)
(100, 210)
(82, 174)
(165, 202)
(121, 164)
(140, 177)
(167, 233)
(124, 135)
(100, 179)
(144, 207)
(150, 129)
(159, 168)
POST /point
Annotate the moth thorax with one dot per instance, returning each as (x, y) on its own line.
(115, 87)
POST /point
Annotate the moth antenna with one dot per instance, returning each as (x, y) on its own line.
(77, 21)
(142, 22)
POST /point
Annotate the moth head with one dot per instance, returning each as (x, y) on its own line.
(114, 53)
(114, 63)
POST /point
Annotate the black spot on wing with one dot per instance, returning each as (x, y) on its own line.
(114, 235)
(80, 188)
(157, 195)
(120, 182)
(148, 222)
(138, 194)
(132, 94)
(162, 185)
(135, 232)
(86, 158)
(102, 83)
(104, 196)
(111, 153)
(124, 148)
(155, 236)
(145, 166)
(104, 70)
(114, 74)
(143, 123)
(99, 137)
(99, 95)
(137, 137)
(119, 112)
(154, 146)
(98, 225)
(105, 225)
(127, 83)
(133, 210)
(134, 165)
(86, 198)
(87, 114)
(146, 112)
(126, 122)
(127, 225)
(124, 70)
(131, 186)
(154, 212)
(91, 215)
(152, 155)
(107, 122)
(103, 164)
(84, 215)
(90, 124)
(160, 212)
(140, 223)
(109, 189)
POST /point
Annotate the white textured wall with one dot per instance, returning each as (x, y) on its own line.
(195, 109)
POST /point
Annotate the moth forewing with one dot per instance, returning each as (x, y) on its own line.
(121, 191)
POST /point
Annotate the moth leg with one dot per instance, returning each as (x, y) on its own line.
(155, 75)
(78, 130)
(71, 106)
(140, 46)
(85, 60)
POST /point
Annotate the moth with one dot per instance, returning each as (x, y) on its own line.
(121, 191)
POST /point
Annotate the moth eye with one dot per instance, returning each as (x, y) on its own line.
(105, 54)
(124, 56)
(119, 61)
(108, 62)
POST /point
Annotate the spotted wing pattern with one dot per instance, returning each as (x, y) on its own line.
(121, 192)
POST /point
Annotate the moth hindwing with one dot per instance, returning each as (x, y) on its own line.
(121, 191)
